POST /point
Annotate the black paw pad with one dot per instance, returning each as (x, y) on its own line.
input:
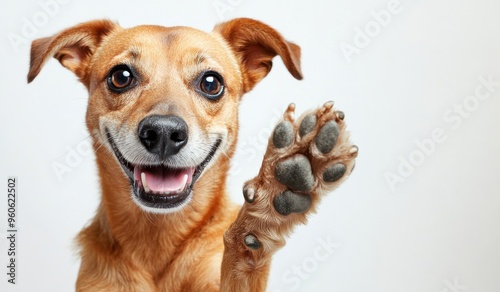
(283, 134)
(334, 172)
(327, 137)
(252, 242)
(249, 194)
(307, 125)
(295, 172)
(289, 202)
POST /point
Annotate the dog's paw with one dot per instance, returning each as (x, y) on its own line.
(305, 159)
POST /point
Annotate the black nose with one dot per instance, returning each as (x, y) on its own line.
(163, 135)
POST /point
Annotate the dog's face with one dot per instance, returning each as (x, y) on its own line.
(164, 101)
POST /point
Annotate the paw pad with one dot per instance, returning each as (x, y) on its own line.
(334, 172)
(327, 137)
(289, 202)
(307, 125)
(283, 135)
(295, 172)
(252, 242)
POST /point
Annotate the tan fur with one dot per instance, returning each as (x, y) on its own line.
(243, 268)
(125, 248)
(201, 246)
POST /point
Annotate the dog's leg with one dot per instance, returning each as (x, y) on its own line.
(305, 159)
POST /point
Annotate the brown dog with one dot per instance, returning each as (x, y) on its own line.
(163, 114)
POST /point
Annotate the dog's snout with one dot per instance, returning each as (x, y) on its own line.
(163, 135)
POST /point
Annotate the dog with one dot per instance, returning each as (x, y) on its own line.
(163, 117)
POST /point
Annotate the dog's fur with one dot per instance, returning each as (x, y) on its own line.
(130, 247)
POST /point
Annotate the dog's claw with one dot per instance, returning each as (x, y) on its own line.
(328, 105)
(354, 150)
(290, 112)
(252, 242)
(340, 115)
(249, 194)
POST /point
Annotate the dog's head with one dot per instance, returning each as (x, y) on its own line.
(164, 100)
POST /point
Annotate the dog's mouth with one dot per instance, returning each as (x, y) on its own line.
(160, 186)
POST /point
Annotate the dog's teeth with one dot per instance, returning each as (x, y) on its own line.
(184, 182)
(144, 184)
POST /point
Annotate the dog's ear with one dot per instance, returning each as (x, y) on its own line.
(73, 47)
(255, 45)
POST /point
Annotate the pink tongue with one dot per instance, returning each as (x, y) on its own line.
(160, 179)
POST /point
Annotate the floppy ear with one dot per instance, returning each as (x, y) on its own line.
(73, 47)
(255, 45)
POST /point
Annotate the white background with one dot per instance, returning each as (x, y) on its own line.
(436, 231)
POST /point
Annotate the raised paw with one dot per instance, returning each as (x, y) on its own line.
(305, 159)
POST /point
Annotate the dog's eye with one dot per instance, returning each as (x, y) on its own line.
(120, 78)
(211, 85)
